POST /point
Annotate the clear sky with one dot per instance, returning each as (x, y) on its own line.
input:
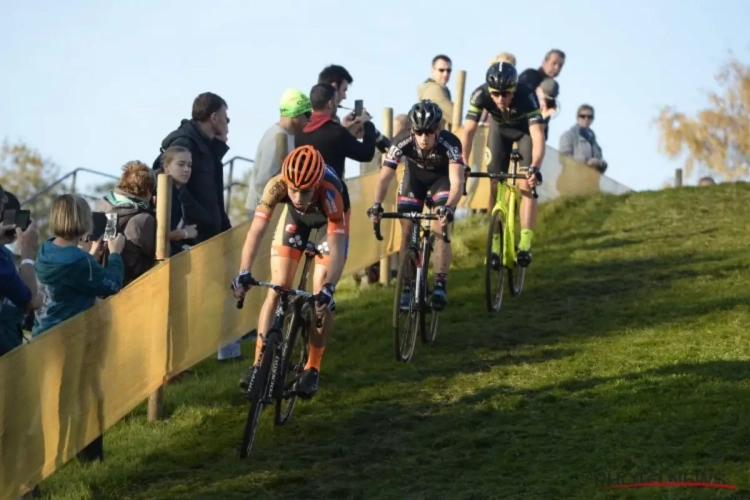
(97, 83)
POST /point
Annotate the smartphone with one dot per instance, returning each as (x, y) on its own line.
(358, 107)
(110, 229)
(100, 224)
(9, 216)
(23, 219)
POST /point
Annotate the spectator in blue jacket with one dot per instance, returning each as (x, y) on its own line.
(72, 278)
(18, 289)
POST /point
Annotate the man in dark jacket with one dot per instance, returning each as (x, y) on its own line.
(332, 139)
(202, 136)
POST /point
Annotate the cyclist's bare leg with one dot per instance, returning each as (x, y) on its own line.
(528, 206)
(283, 270)
(319, 336)
(443, 250)
(406, 226)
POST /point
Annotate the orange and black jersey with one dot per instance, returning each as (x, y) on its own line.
(447, 150)
(328, 199)
(524, 108)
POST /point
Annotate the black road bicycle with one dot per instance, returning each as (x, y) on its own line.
(279, 368)
(412, 273)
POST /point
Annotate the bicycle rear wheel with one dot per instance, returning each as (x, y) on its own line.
(406, 323)
(494, 282)
(294, 354)
(259, 392)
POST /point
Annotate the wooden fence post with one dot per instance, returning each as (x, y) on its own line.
(163, 216)
(458, 106)
(385, 262)
(678, 177)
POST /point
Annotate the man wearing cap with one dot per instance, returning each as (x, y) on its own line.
(295, 110)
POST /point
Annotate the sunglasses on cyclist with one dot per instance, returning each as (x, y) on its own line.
(420, 133)
(495, 93)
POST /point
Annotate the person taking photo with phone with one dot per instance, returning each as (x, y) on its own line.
(72, 278)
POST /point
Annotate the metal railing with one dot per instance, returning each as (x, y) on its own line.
(72, 174)
(230, 179)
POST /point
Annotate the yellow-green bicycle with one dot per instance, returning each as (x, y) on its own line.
(504, 234)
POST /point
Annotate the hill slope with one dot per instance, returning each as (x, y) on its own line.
(625, 359)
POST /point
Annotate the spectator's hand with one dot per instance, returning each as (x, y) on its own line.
(96, 248)
(365, 117)
(28, 241)
(191, 232)
(4, 228)
(348, 120)
(116, 244)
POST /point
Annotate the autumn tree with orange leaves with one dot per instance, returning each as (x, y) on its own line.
(717, 139)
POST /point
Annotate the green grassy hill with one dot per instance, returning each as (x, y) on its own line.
(625, 360)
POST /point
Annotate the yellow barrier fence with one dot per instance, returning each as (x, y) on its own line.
(75, 381)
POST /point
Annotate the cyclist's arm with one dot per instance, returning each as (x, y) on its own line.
(456, 175)
(388, 170)
(537, 144)
(477, 103)
(274, 191)
(338, 233)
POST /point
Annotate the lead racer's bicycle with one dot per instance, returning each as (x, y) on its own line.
(503, 233)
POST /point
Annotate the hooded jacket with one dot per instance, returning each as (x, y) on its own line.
(336, 143)
(14, 298)
(206, 184)
(137, 221)
(71, 281)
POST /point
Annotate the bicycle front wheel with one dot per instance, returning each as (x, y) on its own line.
(494, 270)
(258, 393)
(406, 319)
(294, 354)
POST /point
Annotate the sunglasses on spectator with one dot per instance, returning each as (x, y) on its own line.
(495, 93)
(586, 117)
(420, 133)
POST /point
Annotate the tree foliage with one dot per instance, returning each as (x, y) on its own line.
(24, 172)
(716, 140)
(237, 211)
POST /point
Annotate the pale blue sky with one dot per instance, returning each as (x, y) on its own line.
(97, 83)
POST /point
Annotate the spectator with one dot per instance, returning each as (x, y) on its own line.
(295, 110)
(131, 201)
(340, 79)
(18, 289)
(205, 137)
(579, 142)
(501, 57)
(550, 68)
(177, 163)
(706, 181)
(71, 278)
(435, 88)
(335, 142)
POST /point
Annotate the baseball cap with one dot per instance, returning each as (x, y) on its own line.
(294, 103)
(550, 87)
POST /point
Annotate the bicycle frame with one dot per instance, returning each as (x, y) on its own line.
(508, 202)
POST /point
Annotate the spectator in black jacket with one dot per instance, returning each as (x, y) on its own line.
(203, 137)
(332, 139)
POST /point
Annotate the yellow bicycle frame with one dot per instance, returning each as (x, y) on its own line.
(508, 201)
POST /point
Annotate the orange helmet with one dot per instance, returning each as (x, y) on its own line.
(303, 168)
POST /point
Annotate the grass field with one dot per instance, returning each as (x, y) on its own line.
(626, 359)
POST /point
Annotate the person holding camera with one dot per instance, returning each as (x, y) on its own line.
(18, 287)
(71, 277)
(551, 67)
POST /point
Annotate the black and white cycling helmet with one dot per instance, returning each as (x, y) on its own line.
(502, 77)
(425, 115)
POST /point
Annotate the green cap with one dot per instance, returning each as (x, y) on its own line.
(294, 103)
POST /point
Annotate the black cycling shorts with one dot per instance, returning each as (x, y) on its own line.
(293, 233)
(415, 186)
(499, 145)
